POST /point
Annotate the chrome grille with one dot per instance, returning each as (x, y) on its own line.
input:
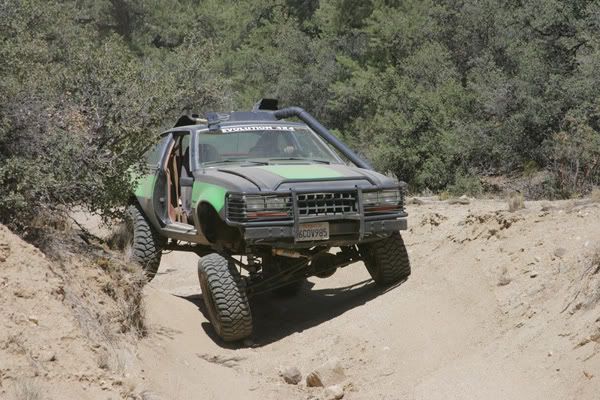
(326, 203)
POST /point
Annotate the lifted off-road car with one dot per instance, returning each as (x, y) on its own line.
(266, 203)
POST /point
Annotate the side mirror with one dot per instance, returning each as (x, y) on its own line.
(186, 181)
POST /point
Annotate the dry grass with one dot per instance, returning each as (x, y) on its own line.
(591, 280)
(57, 221)
(115, 357)
(15, 344)
(515, 202)
(595, 262)
(125, 286)
(103, 360)
(105, 296)
(120, 237)
(445, 195)
(26, 389)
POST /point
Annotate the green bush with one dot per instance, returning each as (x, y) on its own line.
(574, 155)
(81, 108)
(466, 184)
(427, 90)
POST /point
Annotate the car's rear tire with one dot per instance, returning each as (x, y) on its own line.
(224, 294)
(387, 260)
(145, 244)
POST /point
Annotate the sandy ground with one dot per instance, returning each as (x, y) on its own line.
(500, 306)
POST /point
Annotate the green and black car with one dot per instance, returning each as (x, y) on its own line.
(281, 194)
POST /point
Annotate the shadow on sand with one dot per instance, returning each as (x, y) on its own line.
(276, 317)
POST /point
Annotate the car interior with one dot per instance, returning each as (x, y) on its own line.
(179, 197)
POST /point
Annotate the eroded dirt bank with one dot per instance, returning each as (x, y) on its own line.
(500, 305)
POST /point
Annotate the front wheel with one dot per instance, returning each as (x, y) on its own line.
(387, 260)
(224, 293)
(144, 243)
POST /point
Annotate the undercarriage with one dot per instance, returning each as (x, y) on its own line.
(283, 268)
(268, 269)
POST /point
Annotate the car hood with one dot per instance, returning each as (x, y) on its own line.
(305, 176)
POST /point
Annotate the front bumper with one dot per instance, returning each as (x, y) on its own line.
(341, 233)
(343, 229)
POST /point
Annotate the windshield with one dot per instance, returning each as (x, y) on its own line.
(262, 144)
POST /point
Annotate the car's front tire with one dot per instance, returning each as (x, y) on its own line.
(387, 260)
(224, 294)
(145, 244)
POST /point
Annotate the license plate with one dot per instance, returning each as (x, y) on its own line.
(313, 231)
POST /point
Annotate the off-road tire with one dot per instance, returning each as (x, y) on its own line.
(145, 243)
(224, 293)
(387, 260)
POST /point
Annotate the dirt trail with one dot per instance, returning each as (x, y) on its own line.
(500, 306)
(496, 309)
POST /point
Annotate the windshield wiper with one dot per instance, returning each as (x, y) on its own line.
(299, 159)
(253, 162)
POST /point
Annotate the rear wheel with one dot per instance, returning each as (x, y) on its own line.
(224, 293)
(144, 243)
(387, 260)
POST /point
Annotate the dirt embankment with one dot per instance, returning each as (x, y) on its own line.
(500, 305)
(68, 326)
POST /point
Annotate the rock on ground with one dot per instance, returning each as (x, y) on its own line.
(291, 375)
(330, 373)
(333, 392)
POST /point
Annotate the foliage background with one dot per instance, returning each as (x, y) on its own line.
(440, 93)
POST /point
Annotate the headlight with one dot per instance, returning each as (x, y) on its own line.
(255, 203)
(371, 197)
(388, 196)
(266, 202)
(277, 202)
(269, 206)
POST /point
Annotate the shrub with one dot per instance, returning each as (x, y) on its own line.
(79, 108)
(515, 202)
(465, 184)
(574, 155)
